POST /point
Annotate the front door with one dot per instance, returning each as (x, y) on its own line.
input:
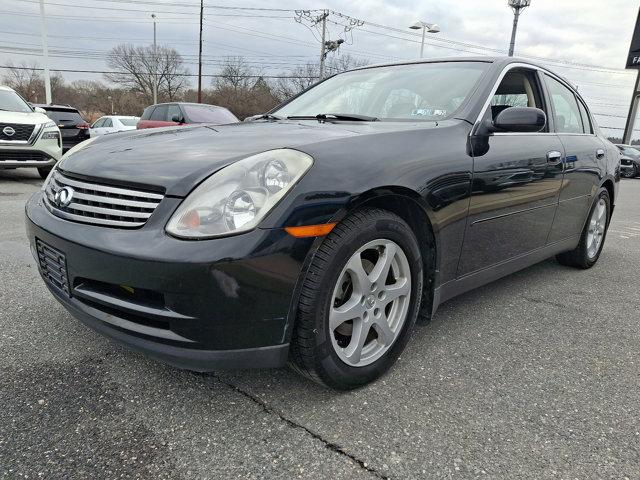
(516, 183)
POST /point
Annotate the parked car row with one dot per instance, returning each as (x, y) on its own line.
(37, 135)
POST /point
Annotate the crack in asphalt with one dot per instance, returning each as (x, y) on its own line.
(270, 410)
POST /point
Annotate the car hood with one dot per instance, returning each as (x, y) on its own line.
(32, 118)
(175, 159)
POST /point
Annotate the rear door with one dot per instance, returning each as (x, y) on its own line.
(584, 159)
(516, 183)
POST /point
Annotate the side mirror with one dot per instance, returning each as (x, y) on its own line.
(39, 110)
(520, 119)
(177, 119)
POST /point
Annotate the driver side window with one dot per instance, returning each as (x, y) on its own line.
(518, 88)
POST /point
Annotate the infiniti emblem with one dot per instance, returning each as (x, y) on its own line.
(8, 131)
(63, 196)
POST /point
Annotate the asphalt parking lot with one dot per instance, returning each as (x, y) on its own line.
(534, 376)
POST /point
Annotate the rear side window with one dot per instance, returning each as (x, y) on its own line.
(146, 115)
(588, 128)
(566, 113)
(64, 117)
(160, 113)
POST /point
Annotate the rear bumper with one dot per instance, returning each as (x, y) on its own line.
(205, 305)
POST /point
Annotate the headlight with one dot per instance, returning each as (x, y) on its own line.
(49, 125)
(50, 135)
(239, 196)
(45, 184)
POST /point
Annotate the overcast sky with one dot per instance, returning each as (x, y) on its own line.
(591, 32)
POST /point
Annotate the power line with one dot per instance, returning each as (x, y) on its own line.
(9, 67)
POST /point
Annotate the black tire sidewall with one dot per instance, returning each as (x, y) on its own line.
(603, 193)
(331, 369)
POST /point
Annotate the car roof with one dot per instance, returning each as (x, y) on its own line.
(186, 103)
(7, 89)
(47, 106)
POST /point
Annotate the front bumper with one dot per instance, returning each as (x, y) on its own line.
(43, 153)
(200, 305)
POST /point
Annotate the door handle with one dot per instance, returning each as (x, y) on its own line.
(554, 157)
(600, 153)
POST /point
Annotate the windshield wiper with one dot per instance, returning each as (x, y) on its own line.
(336, 116)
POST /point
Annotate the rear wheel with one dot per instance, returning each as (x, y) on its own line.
(359, 301)
(44, 171)
(586, 254)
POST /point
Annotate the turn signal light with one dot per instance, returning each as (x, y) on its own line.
(310, 230)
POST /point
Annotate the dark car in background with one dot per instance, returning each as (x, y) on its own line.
(73, 127)
(180, 113)
(629, 160)
(321, 233)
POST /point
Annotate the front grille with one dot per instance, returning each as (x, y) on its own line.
(22, 132)
(100, 204)
(53, 266)
(22, 156)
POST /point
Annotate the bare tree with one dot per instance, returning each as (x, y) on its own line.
(28, 81)
(302, 77)
(235, 74)
(135, 70)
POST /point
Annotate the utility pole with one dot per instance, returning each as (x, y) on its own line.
(323, 46)
(154, 82)
(45, 55)
(517, 6)
(200, 54)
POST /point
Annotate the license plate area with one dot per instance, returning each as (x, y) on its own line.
(53, 267)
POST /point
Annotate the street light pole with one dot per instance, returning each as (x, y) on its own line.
(426, 28)
(45, 54)
(517, 6)
(154, 81)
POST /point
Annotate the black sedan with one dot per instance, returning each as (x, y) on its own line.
(319, 234)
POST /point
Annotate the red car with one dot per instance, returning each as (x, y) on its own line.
(169, 114)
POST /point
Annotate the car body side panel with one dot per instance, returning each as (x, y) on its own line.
(439, 177)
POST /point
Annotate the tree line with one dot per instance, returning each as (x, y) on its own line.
(128, 89)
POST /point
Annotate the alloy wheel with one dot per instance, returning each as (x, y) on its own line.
(597, 228)
(370, 302)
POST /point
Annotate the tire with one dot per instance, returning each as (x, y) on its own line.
(584, 255)
(44, 171)
(324, 354)
(629, 173)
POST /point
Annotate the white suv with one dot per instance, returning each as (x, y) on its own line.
(28, 138)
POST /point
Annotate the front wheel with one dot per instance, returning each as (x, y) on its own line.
(629, 172)
(359, 301)
(44, 171)
(586, 254)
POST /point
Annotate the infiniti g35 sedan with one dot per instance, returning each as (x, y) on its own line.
(321, 233)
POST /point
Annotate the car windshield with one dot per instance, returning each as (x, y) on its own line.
(422, 91)
(209, 114)
(12, 102)
(632, 151)
(128, 121)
